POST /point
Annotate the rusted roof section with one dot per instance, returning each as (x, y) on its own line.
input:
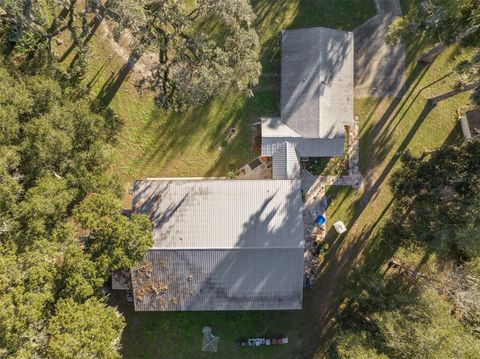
(219, 279)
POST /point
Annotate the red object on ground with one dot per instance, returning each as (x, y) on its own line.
(264, 158)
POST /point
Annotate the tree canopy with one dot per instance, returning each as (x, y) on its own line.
(73, 326)
(439, 19)
(435, 314)
(113, 241)
(393, 318)
(202, 46)
(438, 200)
(194, 61)
(52, 165)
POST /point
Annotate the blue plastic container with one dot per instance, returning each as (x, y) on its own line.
(320, 220)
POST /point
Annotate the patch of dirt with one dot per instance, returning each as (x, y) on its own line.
(124, 48)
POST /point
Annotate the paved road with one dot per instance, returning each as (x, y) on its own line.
(379, 68)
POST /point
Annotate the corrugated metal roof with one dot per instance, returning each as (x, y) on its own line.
(285, 164)
(332, 147)
(219, 279)
(317, 81)
(220, 245)
(222, 213)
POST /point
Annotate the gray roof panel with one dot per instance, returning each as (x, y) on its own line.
(285, 162)
(275, 127)
(331, 147)
(219, 279)
(317, 81)
(221, 213)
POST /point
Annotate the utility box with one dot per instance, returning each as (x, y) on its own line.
(339, 227)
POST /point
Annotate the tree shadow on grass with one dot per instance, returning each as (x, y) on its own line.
(116, 80)
(373, 252)
(369, 137)
(340, 263)
(382, 142)
(455, 136)
(93, 80)
(343, 256)
(93, 25)
(372, 191)
(206, 126)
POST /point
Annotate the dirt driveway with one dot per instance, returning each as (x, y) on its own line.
(379, 68)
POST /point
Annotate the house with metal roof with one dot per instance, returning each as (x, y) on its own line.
(316, 96)
(239, 245)
(220, 245)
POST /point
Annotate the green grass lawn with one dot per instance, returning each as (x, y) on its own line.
(391, 128)
(387, 130)
(153, 143)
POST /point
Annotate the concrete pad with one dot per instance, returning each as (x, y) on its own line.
(262, 171)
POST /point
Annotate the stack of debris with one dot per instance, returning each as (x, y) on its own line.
(145, 285)
(315, 244)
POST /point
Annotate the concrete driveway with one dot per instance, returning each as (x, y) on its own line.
(379, 68)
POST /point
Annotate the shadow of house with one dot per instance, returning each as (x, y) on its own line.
(220, 245)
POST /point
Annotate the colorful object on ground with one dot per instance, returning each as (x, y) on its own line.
(256, 342)
(320, 220)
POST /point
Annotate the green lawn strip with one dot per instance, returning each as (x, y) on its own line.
(179, 334)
